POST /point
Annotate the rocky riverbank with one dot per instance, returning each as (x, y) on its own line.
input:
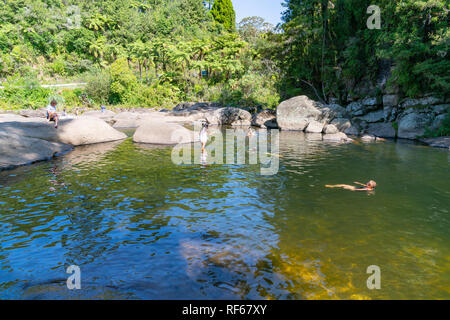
(26, 136)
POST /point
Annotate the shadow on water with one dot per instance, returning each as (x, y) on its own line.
(141, 227)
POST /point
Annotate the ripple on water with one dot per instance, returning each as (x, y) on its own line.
(141, 227)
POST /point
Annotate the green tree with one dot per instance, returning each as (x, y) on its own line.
(223, 13)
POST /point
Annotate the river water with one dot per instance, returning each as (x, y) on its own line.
(141, 227)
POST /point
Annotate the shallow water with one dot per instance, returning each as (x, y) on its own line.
(141, 227)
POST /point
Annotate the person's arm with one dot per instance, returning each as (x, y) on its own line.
(361, 184)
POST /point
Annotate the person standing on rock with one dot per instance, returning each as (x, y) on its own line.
(51, 112)
(204, 135)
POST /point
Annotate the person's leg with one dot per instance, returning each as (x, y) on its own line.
(203, 146)
(56, 120)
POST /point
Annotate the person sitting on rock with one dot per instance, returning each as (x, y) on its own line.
(51, 112)
(369, 186)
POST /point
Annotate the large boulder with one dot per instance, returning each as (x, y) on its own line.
(341, 124)
(80, 131)
(296, 113)
(382, 130)
(372, 117)
(265, 119)
(6, 117)
(229, 116)
(164, 133)
(330, 129)
(32, 113)
(18, 150)
(412, 125)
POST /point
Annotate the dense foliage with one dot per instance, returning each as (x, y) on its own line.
(327, 47)
(151, 53)
(223, 13)
(156, 53)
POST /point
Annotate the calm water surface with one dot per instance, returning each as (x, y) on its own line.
(141, 227)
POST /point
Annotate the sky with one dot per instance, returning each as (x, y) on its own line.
(270, 10)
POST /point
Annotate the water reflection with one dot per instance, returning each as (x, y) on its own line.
(141, 227)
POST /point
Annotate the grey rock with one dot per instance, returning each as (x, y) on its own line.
(356, 108)
(438, 121)
(368, 138)
(372, 117)
(369, 101)
(412, 125)
(439, 142)
(441, 108)
(383, 130)
(336, 137)
(341, 124)
(80, 131)
(229, 116)
(16, 150)
(296, 113)
(30, 113)
(265, 119)
(314, 127)
(352, 130)
(330, 129)
(428, 101)
(164, 133)
(390, 100)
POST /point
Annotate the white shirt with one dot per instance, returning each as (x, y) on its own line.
(51, 108)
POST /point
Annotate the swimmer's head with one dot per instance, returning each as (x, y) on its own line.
(371, 184)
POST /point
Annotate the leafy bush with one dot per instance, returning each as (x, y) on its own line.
(24, 93)
(98, 86)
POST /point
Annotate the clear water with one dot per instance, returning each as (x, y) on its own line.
(141, 227)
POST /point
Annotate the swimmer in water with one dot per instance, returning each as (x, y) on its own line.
(369, 186)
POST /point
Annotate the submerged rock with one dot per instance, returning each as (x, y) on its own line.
(336, 137)
(368, 138)
(16, 150)
(439, 142)
(164, 133)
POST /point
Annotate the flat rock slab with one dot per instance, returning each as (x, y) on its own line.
(164, 133)
(80, 131)
(439, 142)
(18, 150)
